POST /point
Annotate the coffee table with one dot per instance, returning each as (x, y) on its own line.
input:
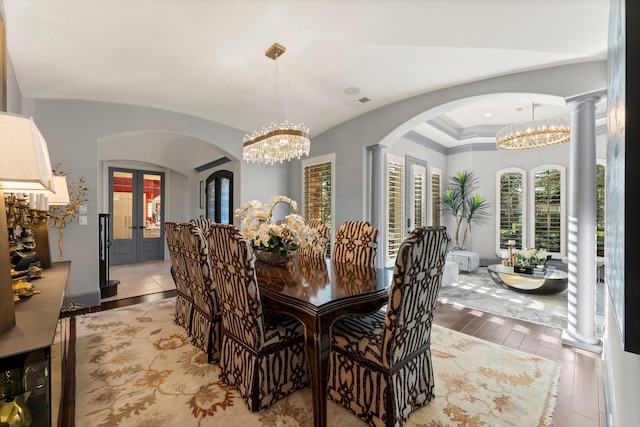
(552, 282)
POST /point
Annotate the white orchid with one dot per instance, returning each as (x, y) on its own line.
(532, 256)
(288, 235)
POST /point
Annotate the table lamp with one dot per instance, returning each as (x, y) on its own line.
(24, 168)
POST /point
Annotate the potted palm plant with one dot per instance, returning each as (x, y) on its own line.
(466, 206)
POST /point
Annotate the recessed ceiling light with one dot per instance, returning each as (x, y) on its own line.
(488, 114)
(352, 90)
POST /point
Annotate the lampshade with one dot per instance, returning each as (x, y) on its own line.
(61, 196)
(24, 158)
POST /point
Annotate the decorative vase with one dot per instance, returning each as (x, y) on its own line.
(273, 258)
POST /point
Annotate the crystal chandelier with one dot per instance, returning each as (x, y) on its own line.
(276, 143)
(534, 134)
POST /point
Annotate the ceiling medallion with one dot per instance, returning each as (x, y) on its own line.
(276, 143)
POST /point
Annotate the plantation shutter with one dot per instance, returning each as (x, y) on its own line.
(511, 208)
(396, 215)
(418, 199)
(436, 213)
(317, 193)
(600, 200)
(548, 215)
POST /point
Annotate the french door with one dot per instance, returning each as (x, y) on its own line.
(137, 211)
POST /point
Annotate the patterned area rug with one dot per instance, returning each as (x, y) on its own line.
(135, 367)
(477, 290)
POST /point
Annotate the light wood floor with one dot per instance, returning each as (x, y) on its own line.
(580, 400)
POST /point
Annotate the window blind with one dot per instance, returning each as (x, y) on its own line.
(418, 199)
(317, 193)
(511, 208)
(396, 216)
(548, 215)
(435, 200)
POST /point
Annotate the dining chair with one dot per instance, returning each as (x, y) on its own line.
(205, 322)
(380, 364)
(204, 224)
(323, 233)
(184, 299)
(262, 353)
(356, 243)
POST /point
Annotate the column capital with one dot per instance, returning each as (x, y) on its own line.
(585, 97)
(377, 148)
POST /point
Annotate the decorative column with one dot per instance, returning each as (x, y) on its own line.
(377, 198)
(581, 223)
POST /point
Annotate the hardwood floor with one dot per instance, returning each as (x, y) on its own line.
(580, 400)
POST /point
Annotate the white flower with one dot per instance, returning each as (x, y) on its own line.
(291, 234)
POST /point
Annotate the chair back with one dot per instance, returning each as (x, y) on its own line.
(417, 277)
(198, 264)
(179, 272)
(323, 233)
(356, 243)
(204, 224)
(234, 273)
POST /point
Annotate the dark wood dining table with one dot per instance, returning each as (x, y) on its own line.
(317, 292)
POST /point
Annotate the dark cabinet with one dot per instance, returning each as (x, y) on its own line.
(33, 354)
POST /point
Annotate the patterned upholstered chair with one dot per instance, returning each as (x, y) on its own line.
(254, 341)
(356, 243)
(184, 299)
(323, 232)
(380, 364)
(205, 322)
(204, 224)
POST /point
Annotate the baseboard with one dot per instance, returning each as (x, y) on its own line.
(90, 299)
(609, 398)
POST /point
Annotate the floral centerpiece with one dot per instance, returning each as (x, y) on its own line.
(532, 257)
(274, 242)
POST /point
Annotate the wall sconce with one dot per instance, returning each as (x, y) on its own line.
(65, 204)
(24, 168)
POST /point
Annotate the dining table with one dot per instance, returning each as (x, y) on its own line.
(317, 291)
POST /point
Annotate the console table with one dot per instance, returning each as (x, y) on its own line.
(31, 363)
(551, 283)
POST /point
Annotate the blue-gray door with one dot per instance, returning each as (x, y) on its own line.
(137, 215)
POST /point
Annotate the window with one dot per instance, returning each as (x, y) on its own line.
(418, 199)
(317, 193)
(219, 195)
(317, 189)
(436, 212)
(395, 178)
(548, 218)
(510, 208)
(600, 200)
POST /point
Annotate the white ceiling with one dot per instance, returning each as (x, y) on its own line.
(206, 58)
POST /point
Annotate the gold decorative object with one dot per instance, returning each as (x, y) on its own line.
(61, 215)
(534, 134)
(22, 212)
(276, 143)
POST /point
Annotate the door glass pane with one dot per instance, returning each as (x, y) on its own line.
(211, 199)
(224, 200)
(151, 201)
(122, 204)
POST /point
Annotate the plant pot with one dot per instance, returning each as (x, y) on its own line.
(273, 258)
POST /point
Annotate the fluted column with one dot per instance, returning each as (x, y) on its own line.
(377, 198)
(581, 223)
